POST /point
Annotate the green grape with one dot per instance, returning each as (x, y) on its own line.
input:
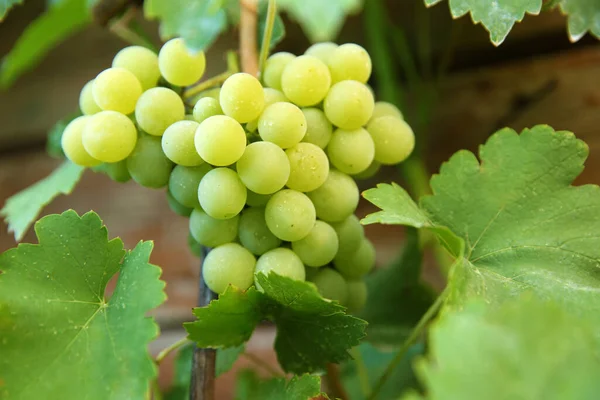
(318, 127)
(274, 68)
(242, 97)
(357, 263)
(254, 233)
(157, 109)
(282, 261)
(141, 62)
(116, 89)
(283, 124)
(228, 264)
(195, 247)
(351, 151)
(72, 143)
(178, 143)
(310, 273)
(180, 66)
(305, 81)
(184, 183)
(117, 171)
(214, 93)
(271, 96)
(290, 215)
(87, 104)
(369, 172)
(189, 117)
(177, 207)
(337, 198)
(221, 193)
(257, 200)
(357, 296)
(350, 233)
(148, 165)
(322, 51)
(220, 140)
(263, 167)
(394, 139)
(109, 136)
(309, 167)
(212, 232)
(319, 247)
(349, 61)
(206, 107)
(349, 105)
(331, 285)
(385, 109)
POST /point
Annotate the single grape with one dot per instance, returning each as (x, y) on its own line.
(309, 167)
(264, 167)
(212, 232)
(310, 273)
(177, 207)
(369, 172)
(206, 107)
(349, 61)
(283, 262)
(220, 140)
(117, 171)
(271, 96)
(254, 233)
(242, 97)
(157, 109)
(331, 285)
(87, 104)
(337, 198)
(214, 93)
(385, 109)
(109, 136)
(290, 215)
(228, 264)
(72, 143)
(305, 81)
(256, 200)
(349, 105)
(178, 143)
(350, 233)
(319, 247)
(351, 151)
(184, 183)
(356, 264)
(357, 296)
(283, 124)
(274, 68)
(180, 66)
(141, 62)
(394, 139)
(148, 165)
(195, 247)
(322, 51)
(116, 89)
(318, 127)
(221, 193)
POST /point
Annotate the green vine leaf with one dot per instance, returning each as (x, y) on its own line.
(251, 387)
(22, 209)
(583, 16)
(311, 331)
(532, 350)
(6, 5)
(498, 17)
(198, 22)
(52, 27)
(525, 228)
(61, 336)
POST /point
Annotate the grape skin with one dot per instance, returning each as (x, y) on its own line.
(178, 65)
(206, 107)
(177, 207)
(87, 104)
(322, 51)
(281, 261)
(305, 81)
(116, 89)
(109, 136)
(351, 151)
(337, 198)
(349, 105)
(141, 62)
(356, 264)
(349, 62)
(319, 247)
(184, 183)
(393, 138)
(220, 140)
(178, 143)
(274, 67)
(212, 232)
(350, 234)
(309, 167)
(318, 127)
(283, 124)
(357, 295)
(290, 215)
(385, 109)
(254, 233)
(157, 109)
(221, 193)
(242, 97)
(264, 167)
(331, 285)
(72, 143)
(148, 165)
(228, 264)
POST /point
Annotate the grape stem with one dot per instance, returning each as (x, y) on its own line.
(232, 68)
(266, 42)
(156, 392)
(166, 351)
(361, 369)
(248, 28)
(123, 30)
(334, 382)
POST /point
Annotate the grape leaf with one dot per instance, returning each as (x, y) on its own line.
(180, 386)
(52, 27)
(251, 387)
(583, 16)
(198, 22)
(498, 17)
(227, 357)
(531, 350)
(6, 5)
(61, 336)
(21, 209)
(311, 331)
(525, 227)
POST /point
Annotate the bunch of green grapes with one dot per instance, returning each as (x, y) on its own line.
(265, 170)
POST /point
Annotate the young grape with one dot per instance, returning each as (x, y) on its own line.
(290, 215)
(350, 233)
(283, 124)
(206, 107)
(309, 167)
(274, 69)
(184, 183)
(228, 264)
(254, 233)
(331, 285)
(177, 207)
(212, 232)
(349, 62)
(242, 97)
(116, 89)
(337, 198)
(351, 151)
(257, 200)
(220, 140)
(264, 167)
(281, 261)
(385, 109)
(349, 105)
(178, 143)
(141, 62)
(357, 296)
(180, 66)
(148, 165)
(117, 171)
(394, 139)
(87, 104)
(221, 193)
(109, 136)
(305, 81)
(369, 172)
(72, 143)
(322, 51)
(318, 127)
(157, 109)
(319, 247)
(356, 263)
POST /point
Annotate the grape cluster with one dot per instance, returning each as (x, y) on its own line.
(266, 172)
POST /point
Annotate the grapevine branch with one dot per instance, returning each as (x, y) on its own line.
(334, 382)
(248, 28)
(266, 42)
(232, 68)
